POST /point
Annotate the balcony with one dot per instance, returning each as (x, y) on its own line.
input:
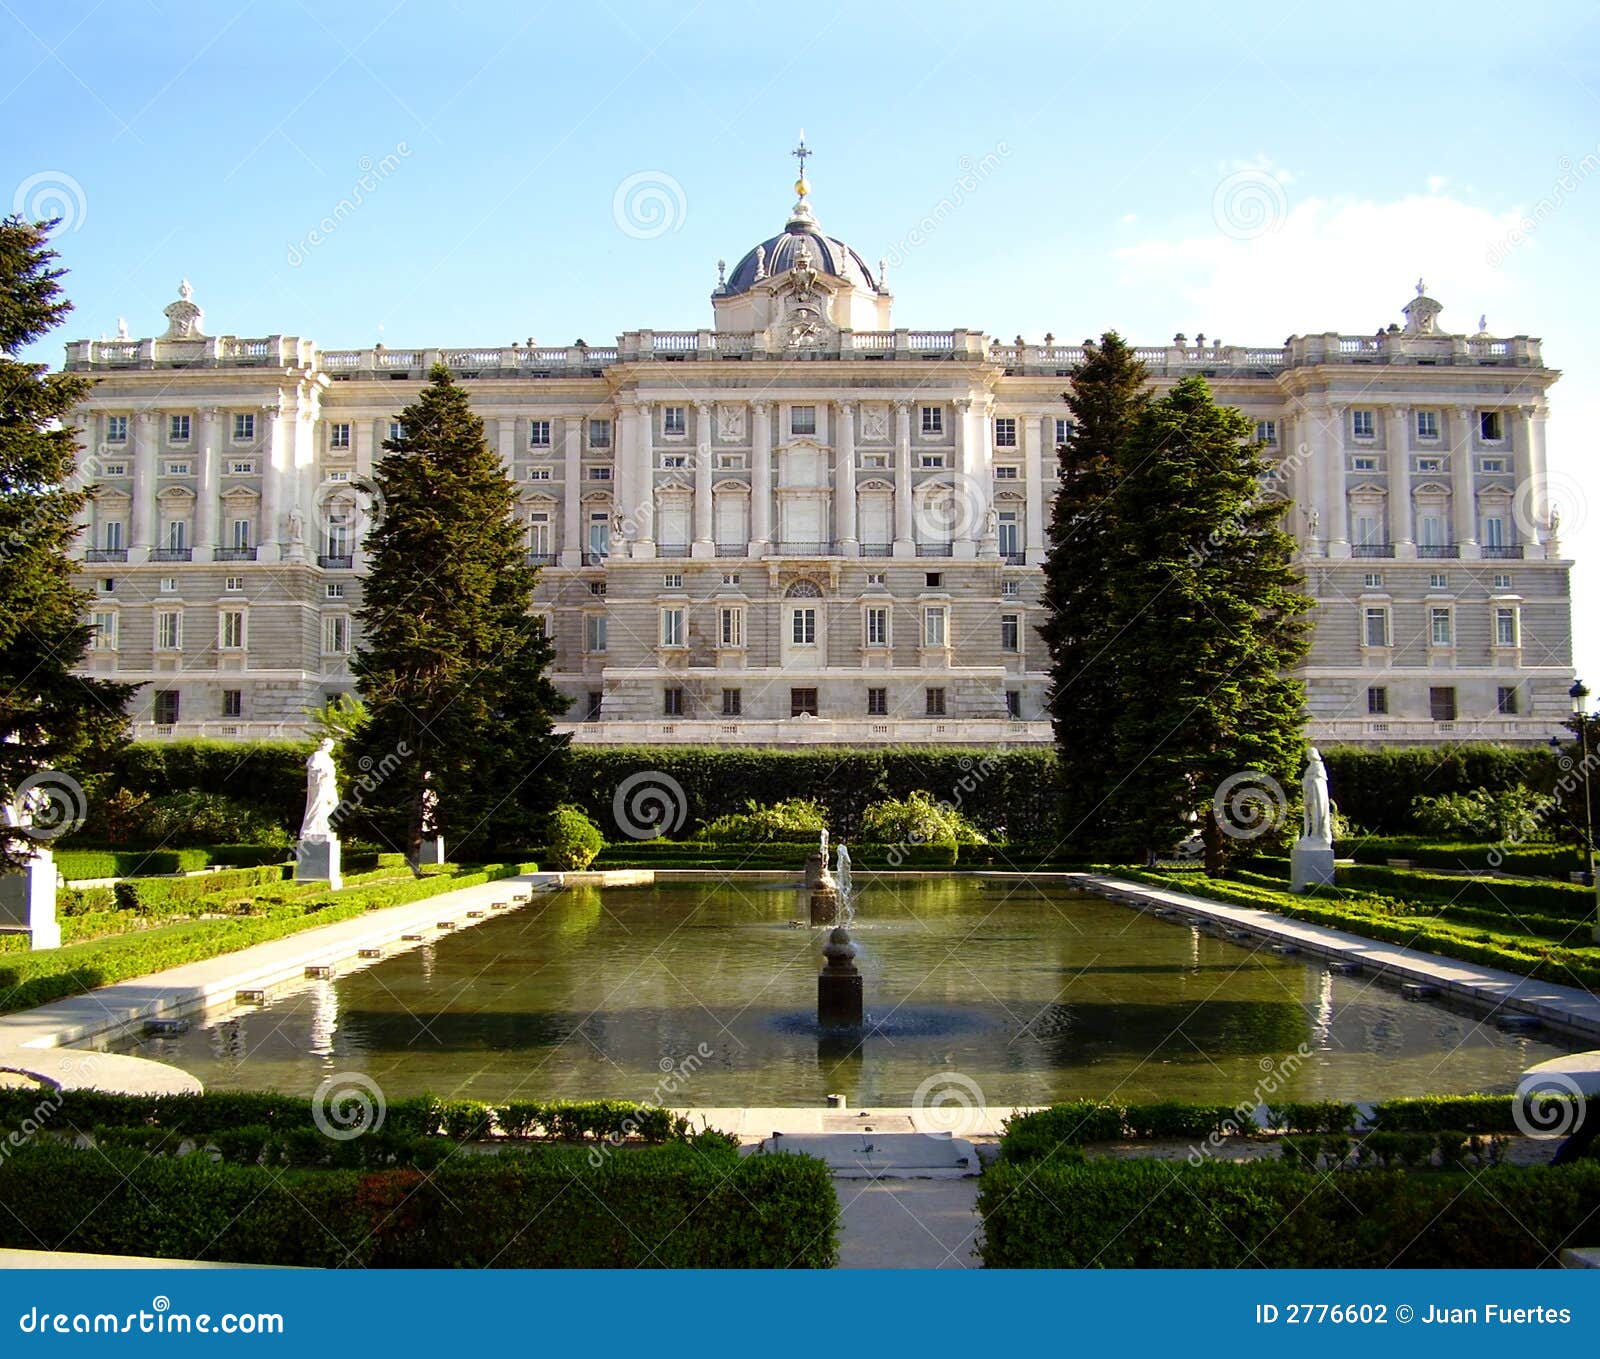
(1372, 550)
(171, 554)
(1014, 558)
(1503, 552)
(595, 558)
(106, 554)
(805, 549)
(236, 554)
(877, 549)
(732, 549)
(935, 550)
(1438, 551)
(335, 562)
(672, 549)
(541, 559)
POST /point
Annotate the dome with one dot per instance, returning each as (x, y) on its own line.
(779, 254)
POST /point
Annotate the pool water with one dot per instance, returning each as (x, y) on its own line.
(704, 993)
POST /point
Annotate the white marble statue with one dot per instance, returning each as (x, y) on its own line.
(322, 793)
(1317, 820)
(823, 847)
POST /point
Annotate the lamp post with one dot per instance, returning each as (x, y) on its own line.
(1579, 694)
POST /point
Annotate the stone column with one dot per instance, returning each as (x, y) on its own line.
(272, 476)
(642, 515)
(1401, 531)
(760, 478)
(704, 544)
(1033, 485)
(964, 541)
(905, 536)
(1463, 503)
(572, 544)
(208, 488)
(1330, 434)
(506, 433)
(844, 481)
(142, 528)
(980, 467)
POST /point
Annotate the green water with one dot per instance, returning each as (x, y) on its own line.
(1029, 992)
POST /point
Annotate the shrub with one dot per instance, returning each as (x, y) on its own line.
(917, 819)
(799, 820)
(1511, 814)
(195, 817)
(573, 841)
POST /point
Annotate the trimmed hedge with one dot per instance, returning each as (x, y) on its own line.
(1375, 786)
(676, 1206)
(1062, 1214)
(1533, 861)
(75, 865)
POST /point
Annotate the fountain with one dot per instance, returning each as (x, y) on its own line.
(839, 989)
(822, 886)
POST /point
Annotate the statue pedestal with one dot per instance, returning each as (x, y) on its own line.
(432, 851)
(28, 901)
(839, 990)
(816, 869)
(317, 860)
(1310, 865)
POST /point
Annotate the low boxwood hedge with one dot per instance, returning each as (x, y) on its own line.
(1534, 861)
(77, 864)
(1143, 1214)
(678, 1206)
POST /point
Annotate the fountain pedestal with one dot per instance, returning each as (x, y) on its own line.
(824, 901)
(839, 993)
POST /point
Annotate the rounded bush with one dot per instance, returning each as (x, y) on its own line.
(573, 842)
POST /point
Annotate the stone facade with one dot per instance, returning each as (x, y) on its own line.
(790, 527)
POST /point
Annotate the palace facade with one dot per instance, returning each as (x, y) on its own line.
(804, 524)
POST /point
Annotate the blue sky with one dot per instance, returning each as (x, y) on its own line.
(1380, 143)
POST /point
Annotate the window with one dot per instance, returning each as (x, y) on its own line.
(339, 435)
(870, 459)
(876, 624)
(730, 627)
(334, 590)
(599, 474)
(1363, 462)
(230, 629)
(1009, 543)
(1013, 703)
(1368, 531)
(233, 584)
(168, 585)
(1505, 627)
(1491, 466)
(802, 703)
(733, 702)
(1005, 432)
(1490, 431)
(934, 579)
(1010, 632)
(1431, 527)
(177, 469)
(802, 420)
(1377, 700)
(336, 634)
(1438, 581)
(597, 588)
(1010, 589)
(1494, 531)
(246, 468)
(1502, 582)
(1427, 424)
(166, 707)
(599, 533)
(105, 630)
(591, 707)
(934, 627)
(1373, 580)
(338, 536)
(232, 703)
(674, 460)
(178, 429)
(1267, 432)
(1442, 703)
(673, 580)
(114, 469)
(244, 427)
(169, 630)
(1064, 430)
(113, 535)
(933, 419)
(1005, 472)
(803, 627)
(1376, 628)
(932, 460)
(599, 434)
(1361, 424)
(539, 534)
(116, 429)
(1505, 700)
(538, 434)
(933, 700)
(397, 431)
(672, 702)
(876, 578)
(730, 577)
(672, 627)
(594, 632)
(877, 702)
(1441, 631)
(538, 474)
(672, 421)
(239, 532)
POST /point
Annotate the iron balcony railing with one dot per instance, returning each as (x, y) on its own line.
(171, 554)
(106, 554)
(336, 562)
(236, 554)
(1372, 550)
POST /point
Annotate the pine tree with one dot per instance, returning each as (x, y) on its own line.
(1210, 620)
(50, 717)
(453, 665)
(1109, 390)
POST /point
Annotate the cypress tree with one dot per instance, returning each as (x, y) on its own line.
(50, 717)
(453, 666)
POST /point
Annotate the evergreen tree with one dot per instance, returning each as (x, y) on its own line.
(1109, 390)
(50, 717)
(1209, 621)
(453, 666)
